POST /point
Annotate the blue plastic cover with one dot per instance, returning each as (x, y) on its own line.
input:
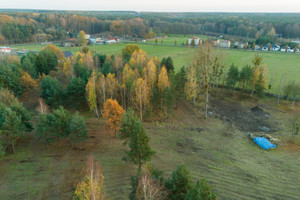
(264, 143)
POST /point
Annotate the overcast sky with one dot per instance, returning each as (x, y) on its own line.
(160, 5)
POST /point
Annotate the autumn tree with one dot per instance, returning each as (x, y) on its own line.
(91, 93)
(163, 85)
(257, 61)
(128, 79)
(163, 80)
(82, 38)
(128, 51)
(58, 52)
(92, 185)
(27, 82)
(148, 187)
(202, 63)
(68, 68)
(112, 85)
(142, 95)
(112, 113)
(191, 87)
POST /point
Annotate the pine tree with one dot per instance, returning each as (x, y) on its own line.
(140, 151)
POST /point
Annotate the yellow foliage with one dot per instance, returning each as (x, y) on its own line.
(68, 67)
(92, 185)
(112, 85)
(82, 39)
(27, 82)
(191, 86)
(91, 92)
(163, 79)
(60, 55)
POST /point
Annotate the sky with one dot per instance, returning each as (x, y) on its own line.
(159, 5)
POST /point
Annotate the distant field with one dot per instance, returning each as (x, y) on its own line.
(278, 63)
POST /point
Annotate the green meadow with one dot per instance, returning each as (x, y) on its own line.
(277, 63)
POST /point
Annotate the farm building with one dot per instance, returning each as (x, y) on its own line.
(5, 50)
(225, 44)
(196, 41)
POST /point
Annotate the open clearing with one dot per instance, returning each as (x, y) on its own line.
(278, 63)
(217, 150)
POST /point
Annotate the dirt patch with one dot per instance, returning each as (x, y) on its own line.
(243, 118)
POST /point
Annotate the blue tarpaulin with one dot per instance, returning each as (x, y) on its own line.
(264, 143)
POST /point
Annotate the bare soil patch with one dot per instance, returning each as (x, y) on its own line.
(244, 118)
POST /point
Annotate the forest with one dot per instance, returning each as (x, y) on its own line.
(39, 26)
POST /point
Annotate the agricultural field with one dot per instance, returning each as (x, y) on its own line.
(277, 63)
(217, 149)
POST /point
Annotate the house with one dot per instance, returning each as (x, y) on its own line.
(282, 49)
(113, 38)
(67, 54)
(196, 41)
(5, 50)
(216, 42)
(274, 47)
(225, 44)
(94, 40)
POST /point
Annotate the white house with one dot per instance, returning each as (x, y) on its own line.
(5, 50)
(196, 40)
(225, 44)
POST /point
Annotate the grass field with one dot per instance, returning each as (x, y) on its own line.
(213, 149)
(278, 63)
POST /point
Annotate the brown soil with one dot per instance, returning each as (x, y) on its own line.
(244, 118)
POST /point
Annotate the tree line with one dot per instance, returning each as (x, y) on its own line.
(22, 27)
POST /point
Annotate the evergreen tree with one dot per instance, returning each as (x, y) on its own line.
(180, 183)
(140, 151)
(52, 91)
(201, 191)
(232, 76)
(128, 121)
(11, 126)
(78, 130)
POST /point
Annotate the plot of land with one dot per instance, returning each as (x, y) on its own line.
(214, 149)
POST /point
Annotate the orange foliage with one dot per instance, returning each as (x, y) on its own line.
(112, 113)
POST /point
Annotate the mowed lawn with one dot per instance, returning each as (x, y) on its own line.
(212, 149)
(278, 64)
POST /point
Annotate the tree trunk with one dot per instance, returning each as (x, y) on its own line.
(293, 103)
(206, 102)
(13, 147)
